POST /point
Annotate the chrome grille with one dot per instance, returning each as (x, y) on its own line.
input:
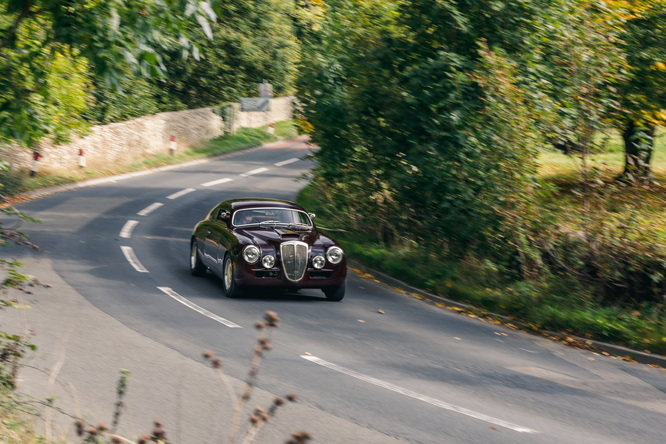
(294, 259)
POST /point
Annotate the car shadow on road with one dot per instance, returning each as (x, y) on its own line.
(210, 286)
(273, 295)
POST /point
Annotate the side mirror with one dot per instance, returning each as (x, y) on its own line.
(224, 216)
(312, 215)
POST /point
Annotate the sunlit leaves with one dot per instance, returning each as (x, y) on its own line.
(253, 41)
(105, 37)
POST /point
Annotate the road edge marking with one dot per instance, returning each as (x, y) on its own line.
(253, 172)
(126, 231)
(180, 193)
(287, 162)
(171, 293)
(418, 396)
(132, 259)
(216, 182)
(150, 208)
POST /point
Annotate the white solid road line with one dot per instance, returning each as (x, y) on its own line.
(126, 231)
(169, 292)
(181, 193)
(420, 397)
(133, 260)
(257, 171)
(286, 162)
(216, 182)
(149, 209)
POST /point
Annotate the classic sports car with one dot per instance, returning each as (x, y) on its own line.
(267, 243)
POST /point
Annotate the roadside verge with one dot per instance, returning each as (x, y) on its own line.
(613, 350)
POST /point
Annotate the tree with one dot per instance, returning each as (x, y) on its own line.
(48, 46)
(395, 108)
(643, 96)
(635, 100)
(254, 41)
(47, 50)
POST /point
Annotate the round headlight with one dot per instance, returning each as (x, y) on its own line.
(318, 262)
(251, 254)
(268, 261)
(334, 255)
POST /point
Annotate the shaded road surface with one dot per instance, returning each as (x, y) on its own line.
(378, 367)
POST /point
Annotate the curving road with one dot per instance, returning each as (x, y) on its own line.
(378, 367)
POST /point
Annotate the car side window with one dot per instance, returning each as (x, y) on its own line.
(304, 218)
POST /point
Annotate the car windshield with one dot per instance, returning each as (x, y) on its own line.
(271, 216)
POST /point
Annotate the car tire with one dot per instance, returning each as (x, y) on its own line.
(231, 290)
(197, 267)
(335, 293)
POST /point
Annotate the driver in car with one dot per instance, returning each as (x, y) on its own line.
(248, 218)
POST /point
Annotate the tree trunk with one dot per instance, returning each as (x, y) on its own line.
(638, 147)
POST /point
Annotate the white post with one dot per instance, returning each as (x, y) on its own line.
(35, 163)
(82, 159)
(172, 145)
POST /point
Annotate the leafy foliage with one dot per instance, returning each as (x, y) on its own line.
(12, 346)
(47, 48)
(106, 105)
(642, 96)
(431, 115)
(253, 41)
(399, 117)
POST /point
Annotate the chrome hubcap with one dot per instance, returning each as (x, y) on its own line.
(193, 256)
(228, 274)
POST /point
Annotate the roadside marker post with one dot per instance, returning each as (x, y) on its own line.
(35, 163)
(172, 145)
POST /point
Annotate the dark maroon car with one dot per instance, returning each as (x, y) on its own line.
(267, 243)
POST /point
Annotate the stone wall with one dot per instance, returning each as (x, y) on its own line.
(121, 143)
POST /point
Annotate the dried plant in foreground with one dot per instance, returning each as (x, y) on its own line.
(259, 416)
(257, 419)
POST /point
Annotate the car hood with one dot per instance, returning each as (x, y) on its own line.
(276, 235)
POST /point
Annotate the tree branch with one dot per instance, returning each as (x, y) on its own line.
(24, 14)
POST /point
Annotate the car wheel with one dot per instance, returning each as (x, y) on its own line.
(197, 268)
(231, 290)
(335, 293)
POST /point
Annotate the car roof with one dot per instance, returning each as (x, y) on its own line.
(240, 204)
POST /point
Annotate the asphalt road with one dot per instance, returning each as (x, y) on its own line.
(378, 367)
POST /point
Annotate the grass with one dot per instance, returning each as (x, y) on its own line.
(561, 305)
(245, 138)
(15, 424)
(557, 166)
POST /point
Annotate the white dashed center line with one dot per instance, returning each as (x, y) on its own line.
(181, 193)
(149, 209)
(133, 260)
(287, 162)
(169, 292)
(216, 182)
(257, 171)
(420, 397)
(126, 231)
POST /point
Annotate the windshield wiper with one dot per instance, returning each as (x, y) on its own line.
(298, 225)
